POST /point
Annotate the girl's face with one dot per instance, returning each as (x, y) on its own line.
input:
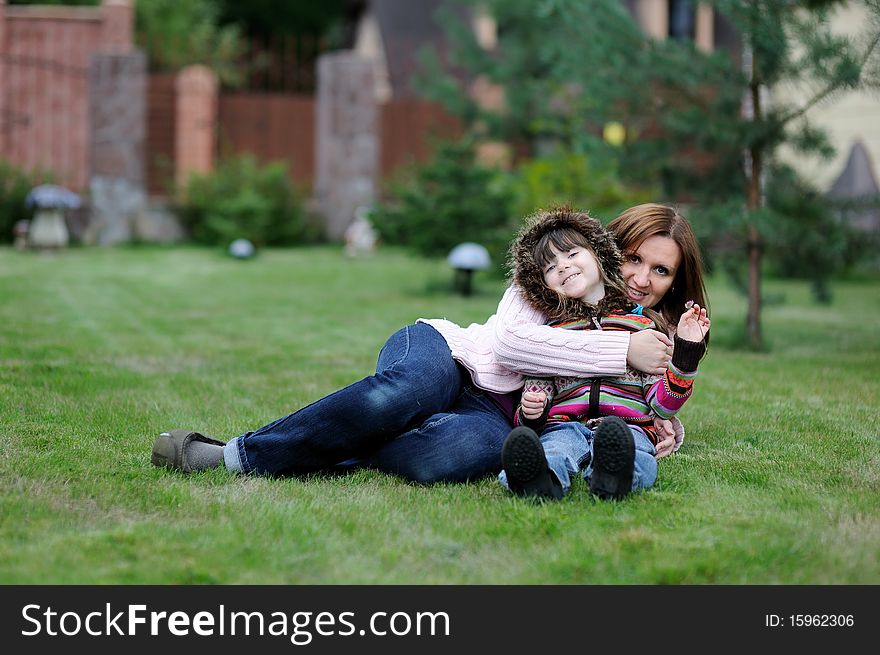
(575, 274)
(650, 269)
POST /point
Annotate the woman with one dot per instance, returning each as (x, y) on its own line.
(663, 270)
(438, 407)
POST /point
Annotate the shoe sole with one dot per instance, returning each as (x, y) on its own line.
(614, 455)
(523, 459)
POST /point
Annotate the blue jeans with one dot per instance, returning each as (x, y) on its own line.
(569, 451)
(419, 417)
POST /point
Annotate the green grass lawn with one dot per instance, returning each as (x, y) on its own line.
(778, 481)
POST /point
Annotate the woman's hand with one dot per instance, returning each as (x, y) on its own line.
(532, 404)
(649, 352)
(693, 324)
(665, 437)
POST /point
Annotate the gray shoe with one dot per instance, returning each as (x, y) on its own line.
(170, 449)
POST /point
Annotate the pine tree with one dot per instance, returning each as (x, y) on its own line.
(787, 41)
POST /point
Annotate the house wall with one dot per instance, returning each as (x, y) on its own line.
(653, 17)
(45, 54)
(846, 118)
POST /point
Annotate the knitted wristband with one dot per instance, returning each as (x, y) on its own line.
(687, 354)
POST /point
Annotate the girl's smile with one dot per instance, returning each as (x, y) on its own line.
(575, 274)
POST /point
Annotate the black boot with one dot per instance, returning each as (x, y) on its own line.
(523, 459)
(614, 456)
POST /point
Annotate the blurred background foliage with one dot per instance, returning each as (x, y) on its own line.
(242, 199)
(14, 187)
(450, 199)
(177, 34)
(682, 135)
(680, 112)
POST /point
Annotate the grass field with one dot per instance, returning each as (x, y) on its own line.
(100, 350)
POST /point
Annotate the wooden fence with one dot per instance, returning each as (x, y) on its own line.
(408, 128)
(272, 127)
(161, 126)
(281, 127)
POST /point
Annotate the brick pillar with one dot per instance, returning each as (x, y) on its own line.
(117, 25)
(5, 114)
(117, 106)
(117, 98)
(195, 122)
(347, 143)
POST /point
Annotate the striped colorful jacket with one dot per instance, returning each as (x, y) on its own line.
(635, 397)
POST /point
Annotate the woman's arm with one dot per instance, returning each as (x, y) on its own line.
(523, 343)
(667, 395)
(694, 325)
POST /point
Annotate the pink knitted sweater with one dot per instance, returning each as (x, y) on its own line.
(516, 341)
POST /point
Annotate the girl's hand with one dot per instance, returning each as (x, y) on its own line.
(665, 437)
(693, 324)
(532, 404)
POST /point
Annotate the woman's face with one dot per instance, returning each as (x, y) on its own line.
(650, 269)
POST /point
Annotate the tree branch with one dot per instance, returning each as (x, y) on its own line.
(828, 90)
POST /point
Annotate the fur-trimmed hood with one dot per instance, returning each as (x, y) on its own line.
(529, 277)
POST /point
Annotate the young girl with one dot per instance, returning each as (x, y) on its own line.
(568, 266)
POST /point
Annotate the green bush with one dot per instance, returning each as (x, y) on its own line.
(240, 199)
(449, 200)
(568, 178)
(14, 187)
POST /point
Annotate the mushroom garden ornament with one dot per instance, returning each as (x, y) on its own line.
(242, 249)
(48, 228)
(466, 258)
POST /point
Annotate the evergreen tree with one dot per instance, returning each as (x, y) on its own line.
(560, 65)
(789, 42)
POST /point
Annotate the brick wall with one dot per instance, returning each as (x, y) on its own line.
(45, 53)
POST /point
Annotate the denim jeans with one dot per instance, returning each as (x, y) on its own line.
(569, 451)
(419, 417)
